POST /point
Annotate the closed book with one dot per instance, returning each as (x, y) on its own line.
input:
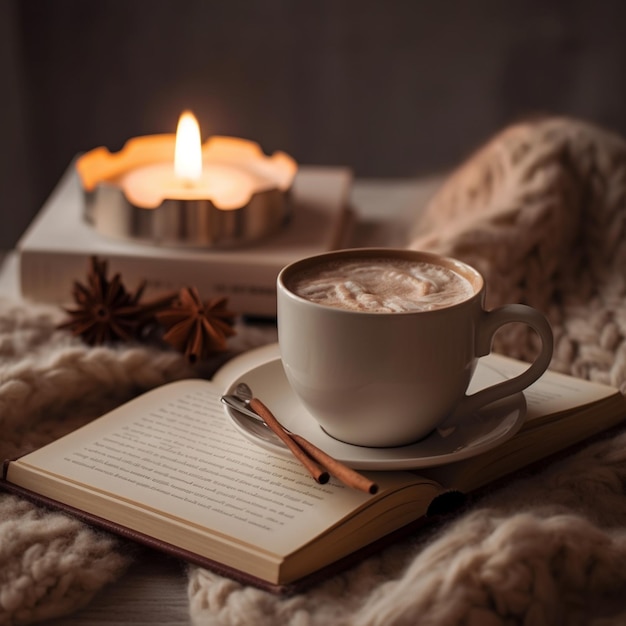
(55, 249)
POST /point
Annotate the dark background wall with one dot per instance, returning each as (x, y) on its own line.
(389, 87)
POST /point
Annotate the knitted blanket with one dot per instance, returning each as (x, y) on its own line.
(545, 549)
(540, 210)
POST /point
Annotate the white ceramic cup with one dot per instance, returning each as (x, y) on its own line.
(389, 379)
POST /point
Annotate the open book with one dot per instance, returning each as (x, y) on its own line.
(169, 469)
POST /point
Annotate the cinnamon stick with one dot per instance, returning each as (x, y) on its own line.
(345, 474)
(318, 473)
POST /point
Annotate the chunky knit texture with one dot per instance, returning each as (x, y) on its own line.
(547, 550)
(50, 384)
(540, 211)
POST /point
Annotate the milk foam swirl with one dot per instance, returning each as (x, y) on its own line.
(382, 285)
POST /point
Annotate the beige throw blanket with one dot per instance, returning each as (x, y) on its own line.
(548, 549)
(541, 211)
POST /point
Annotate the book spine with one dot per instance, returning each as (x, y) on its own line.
(250, 289)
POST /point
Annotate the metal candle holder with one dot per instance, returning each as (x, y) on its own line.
(187, 221)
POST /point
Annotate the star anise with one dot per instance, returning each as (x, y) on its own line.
(194, 327)
(105, 311)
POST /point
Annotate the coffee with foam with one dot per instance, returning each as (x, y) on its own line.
(380, 344)
(381, 285)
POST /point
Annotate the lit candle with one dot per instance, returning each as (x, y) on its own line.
(225, 184)
(188, 149)
(176, 190)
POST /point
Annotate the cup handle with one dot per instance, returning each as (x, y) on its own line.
(490, 323)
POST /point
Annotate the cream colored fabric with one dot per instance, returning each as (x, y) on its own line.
(541, 211)
(50, 384)
(548, 549)
(542, 551)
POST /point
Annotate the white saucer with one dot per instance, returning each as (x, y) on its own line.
(262, 370)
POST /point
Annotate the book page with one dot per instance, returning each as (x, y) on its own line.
(553, 392)
(562, 411)
(173, 450)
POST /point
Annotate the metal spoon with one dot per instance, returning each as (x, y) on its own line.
(320, 464)
(239, 401)
(243, 392)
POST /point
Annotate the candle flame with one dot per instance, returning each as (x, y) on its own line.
(188, 149)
